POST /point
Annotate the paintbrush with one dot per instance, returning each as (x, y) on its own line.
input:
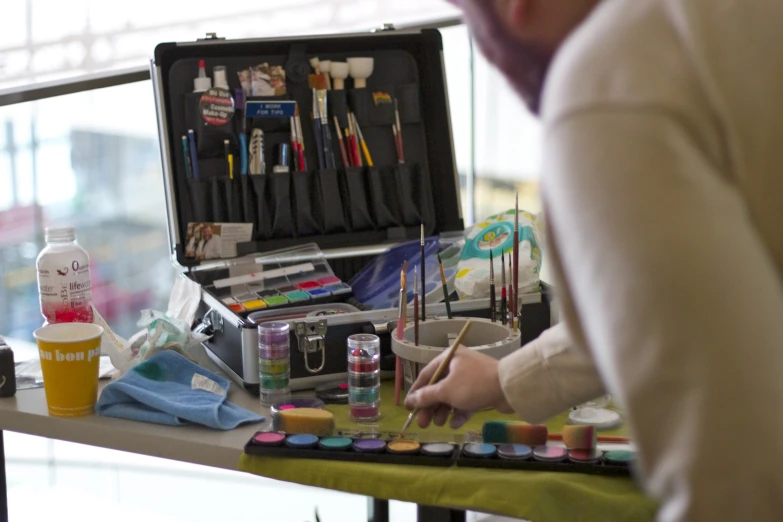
(415, 309)
(342, 142)
(322, 113)
(446, 288)
(516, 262)
(400, 334)
(300, 136)
(492, 311)
(436, 376)
(354, 144)
(503, 314)
(405, 289)
(510, 295)
(423, 278)
(398, 136)
(361, 141)
(312, 81)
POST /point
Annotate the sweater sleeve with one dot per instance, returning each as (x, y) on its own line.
(666, 281)
(547, 376)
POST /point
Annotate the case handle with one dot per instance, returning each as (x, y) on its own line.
(312, 339)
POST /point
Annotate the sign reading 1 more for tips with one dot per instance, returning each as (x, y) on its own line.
(270, 109)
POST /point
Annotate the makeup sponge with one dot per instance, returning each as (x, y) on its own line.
(579, 437)
(514, 432)
(305, 420)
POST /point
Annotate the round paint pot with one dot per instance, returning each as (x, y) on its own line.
(302, 441)
(592, 456)
(404, 447)
(619, 457)
(601, 418)
(479, 450)
(515, 452)
(290, 404)
(268, 438)
(438, 449)
(369, 446)
(333, 392)
(335, 443)
(549, 454)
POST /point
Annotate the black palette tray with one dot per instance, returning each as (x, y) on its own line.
(349, 455)
(533, 465)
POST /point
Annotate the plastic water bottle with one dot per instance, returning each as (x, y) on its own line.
(64, 284)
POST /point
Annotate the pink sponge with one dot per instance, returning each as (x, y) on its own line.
(579, 437)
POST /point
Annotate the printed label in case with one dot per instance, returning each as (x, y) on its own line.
(270, 109)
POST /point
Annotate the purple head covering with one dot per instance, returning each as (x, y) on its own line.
(524, 64)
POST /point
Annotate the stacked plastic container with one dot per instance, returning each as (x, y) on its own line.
(274, 361)
(364, 377)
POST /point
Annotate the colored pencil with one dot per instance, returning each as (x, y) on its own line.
(516, 262)
(438, 372)
(423, 278)
(503, 314)
(446, 288)
(415, 309)
(492, 311)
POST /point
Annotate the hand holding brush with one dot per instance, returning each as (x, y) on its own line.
(459, 379)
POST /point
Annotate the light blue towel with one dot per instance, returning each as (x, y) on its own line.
(169, 389)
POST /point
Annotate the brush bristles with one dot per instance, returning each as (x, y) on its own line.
(579, 437)
(515, 432)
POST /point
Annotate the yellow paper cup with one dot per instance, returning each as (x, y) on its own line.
(70, 354)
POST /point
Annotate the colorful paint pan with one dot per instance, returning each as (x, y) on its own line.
(365, 395)
(369, 446)
(297, 296)
(255, 304)
(340, 289)
(273, 366)
(263, 294)
(273, 382)
(479, 450)
(268, 438)
(245, 297)
(331, 280)
(236, 307)
(277, 300)
(335, 443)
(404, 447)
(286, 289)
(619, 457)
(580, 456)
(308, 285)
(515, 451)
(318, 292)
(302, 441)
(228, 300)
(549, 454)
(438, 449)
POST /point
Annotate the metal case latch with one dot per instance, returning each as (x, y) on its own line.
(211, 36)
(384, 27)
(312, 339)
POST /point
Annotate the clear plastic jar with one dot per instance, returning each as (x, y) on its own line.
(274, 361)
(364, 377)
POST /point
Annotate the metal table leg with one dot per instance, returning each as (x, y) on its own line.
(377, 510)
(3, 483)
(436, 514)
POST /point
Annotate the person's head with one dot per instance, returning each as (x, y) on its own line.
(521, 37)
(207, 232)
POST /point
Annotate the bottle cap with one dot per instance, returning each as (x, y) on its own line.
(60, 234)
(202, 82)
(219, 72)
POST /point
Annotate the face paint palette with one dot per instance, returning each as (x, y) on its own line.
(426, 449)
(476, 454)
(356, 447)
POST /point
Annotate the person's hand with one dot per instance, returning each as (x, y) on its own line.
(469, 384)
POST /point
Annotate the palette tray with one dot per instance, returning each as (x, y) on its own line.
(459, 456)
(282, 279)
(349, 454)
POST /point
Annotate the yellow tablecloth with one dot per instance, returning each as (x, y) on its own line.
(535, 496)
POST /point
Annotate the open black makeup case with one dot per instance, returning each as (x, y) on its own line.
(352, 213)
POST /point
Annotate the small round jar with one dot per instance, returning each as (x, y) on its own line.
(273, 333)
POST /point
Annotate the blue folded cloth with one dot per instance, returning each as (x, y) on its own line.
(169, 389)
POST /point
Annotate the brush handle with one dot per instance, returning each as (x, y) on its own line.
(492, 311)
(319, 142)
(503, 314)
(397, 380)
(416, 319)
(515, 302)
(327, 144)
(423, 285)
(446, 300)
(340, 140)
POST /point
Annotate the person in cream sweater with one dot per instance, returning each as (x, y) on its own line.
(663, 192)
